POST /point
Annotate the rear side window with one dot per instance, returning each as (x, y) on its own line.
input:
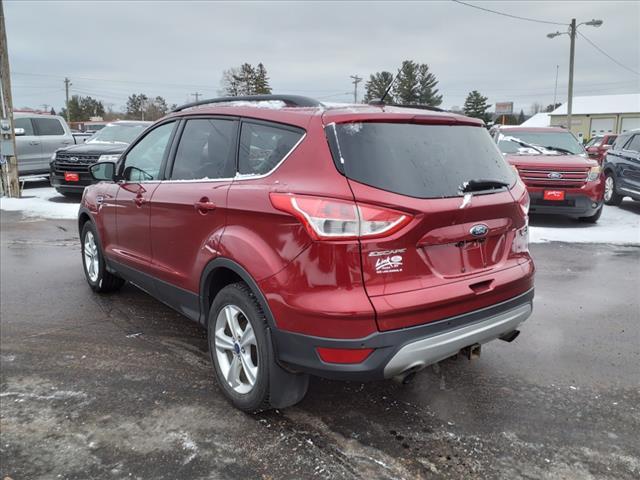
(206, 150)
(263, 147)
(48, 126)
(634, 144)
(422, 161)
(24, 123)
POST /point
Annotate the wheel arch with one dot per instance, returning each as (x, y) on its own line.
(83, 217)
(221, 272)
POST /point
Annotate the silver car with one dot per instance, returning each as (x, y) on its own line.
(37, 139)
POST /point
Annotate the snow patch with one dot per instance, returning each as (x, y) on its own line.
(617, 225)
(42, 202)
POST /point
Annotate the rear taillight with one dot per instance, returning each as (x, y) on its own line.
(333, 219)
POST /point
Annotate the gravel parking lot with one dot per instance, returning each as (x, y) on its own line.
(120, 386)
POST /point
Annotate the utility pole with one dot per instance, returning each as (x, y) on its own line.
(196, 95)
(572, 32)
(9, 184)
(572, 53)
(67, 84)
(555, 90)
(356, 81)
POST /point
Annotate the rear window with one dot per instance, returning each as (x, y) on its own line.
(48, 126)
(422, 161)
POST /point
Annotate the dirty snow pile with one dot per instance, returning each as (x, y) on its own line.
(42, 202)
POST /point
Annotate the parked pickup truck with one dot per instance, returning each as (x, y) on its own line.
(69, 168)
(38, 136)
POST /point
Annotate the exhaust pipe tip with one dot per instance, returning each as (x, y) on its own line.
(510, 336)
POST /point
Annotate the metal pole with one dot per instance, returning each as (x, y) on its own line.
(356, 81)
(555, 90)
(572, 34)
(67, 82)
(8, 160)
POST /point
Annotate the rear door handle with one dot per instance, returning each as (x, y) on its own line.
(33, 142)
(204, 206)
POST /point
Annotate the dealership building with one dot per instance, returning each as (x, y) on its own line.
(598, 115)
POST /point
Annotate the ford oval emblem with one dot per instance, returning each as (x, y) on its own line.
(555, 175)
(73, 159)
(479, 230)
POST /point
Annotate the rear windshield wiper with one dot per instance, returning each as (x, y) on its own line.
(479, 185)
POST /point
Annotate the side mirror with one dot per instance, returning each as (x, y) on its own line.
(18, 132)
(103, 171)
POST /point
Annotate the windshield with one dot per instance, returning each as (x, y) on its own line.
(539, 143)
(422, 161)
(118, 133)
(594, 142)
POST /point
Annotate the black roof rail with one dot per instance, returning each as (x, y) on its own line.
(288, 100)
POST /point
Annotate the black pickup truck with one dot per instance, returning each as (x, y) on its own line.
(69, 169)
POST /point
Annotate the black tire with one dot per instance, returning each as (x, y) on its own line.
(593, 218)
(102, 281)
(615, 199)
(270, 377)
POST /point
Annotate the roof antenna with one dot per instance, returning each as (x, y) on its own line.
(380, 101)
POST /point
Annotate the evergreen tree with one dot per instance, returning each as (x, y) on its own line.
(406, 87)
(245, 80)
(376, 86)
(552, 107)
(82, 108)
(428, 93)
(521, 117)
(476, 106)
(136, 106)
(261, 81)
(52, 111)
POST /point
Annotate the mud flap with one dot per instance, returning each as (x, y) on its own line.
(285, 388)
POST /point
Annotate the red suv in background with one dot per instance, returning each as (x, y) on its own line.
(356, 243)
(597, 147)
(560, 177)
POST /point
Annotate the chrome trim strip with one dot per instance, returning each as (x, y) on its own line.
(636, 192)
(430, 350)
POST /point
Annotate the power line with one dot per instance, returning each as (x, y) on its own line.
(508, 14)
(606, 54)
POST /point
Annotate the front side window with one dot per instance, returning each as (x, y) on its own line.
(24, 123)
(611, 139)
(206, 150)
(621, 141)
(421, 161)
(48, 126)
(262, 147)
(144, 160)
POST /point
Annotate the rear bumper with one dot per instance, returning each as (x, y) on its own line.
(398, 350)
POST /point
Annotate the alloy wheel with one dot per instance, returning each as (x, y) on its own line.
(608, 188)
(236, 349)
(91, 257)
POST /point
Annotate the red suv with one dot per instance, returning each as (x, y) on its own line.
(357, 243)
(560, 177)
(597, 147)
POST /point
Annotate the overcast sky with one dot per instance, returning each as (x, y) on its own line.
(111, 49)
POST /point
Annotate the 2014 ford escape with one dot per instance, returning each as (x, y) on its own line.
(357, 243)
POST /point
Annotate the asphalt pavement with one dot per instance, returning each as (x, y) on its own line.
(120, 386)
